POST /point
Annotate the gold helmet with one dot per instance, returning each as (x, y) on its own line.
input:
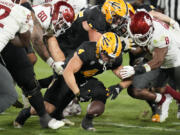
(109, 44)
(112, 8)
(130, 7)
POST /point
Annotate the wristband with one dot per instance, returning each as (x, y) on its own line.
(147, 67)
(50, 61)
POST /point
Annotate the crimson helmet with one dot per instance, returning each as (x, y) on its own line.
(62, 17)
(140, 27)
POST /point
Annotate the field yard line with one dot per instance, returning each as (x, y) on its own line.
(133, 126)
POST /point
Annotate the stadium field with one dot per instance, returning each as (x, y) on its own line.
(123, 116)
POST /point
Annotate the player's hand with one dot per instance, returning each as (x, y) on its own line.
(114, 91)
(58, 67)
(127, 71)
(174, 24)
(129, 44)
(84, 96)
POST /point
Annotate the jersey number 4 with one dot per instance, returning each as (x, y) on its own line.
(4, 12)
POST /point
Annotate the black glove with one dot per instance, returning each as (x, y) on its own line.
(84, 96)
(114, 91)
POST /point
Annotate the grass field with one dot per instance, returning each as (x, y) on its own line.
(122, 116)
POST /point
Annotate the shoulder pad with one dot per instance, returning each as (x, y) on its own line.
(96, 18)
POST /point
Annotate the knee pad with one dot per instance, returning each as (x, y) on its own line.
(96, 108)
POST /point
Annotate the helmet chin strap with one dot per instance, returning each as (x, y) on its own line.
(104, 63)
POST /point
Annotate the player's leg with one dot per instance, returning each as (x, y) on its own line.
(7, 91)
(97, 106)
(22, 71)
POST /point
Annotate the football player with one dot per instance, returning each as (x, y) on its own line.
(46, 25)
(136, 56)
(155, 37)
(22, 24)
(90, 59)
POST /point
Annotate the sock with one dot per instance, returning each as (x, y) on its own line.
(154, 107)
(160, 98)
(38, 103)
(173, 93)
(23, 115)
(89, 116)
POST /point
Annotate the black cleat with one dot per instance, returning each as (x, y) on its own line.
(87, 124)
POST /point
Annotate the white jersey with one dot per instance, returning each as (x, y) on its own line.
(163, 37)
(76, 4)
(43, 14)
(13, 18)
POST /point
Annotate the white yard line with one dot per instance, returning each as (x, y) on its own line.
(133, 126)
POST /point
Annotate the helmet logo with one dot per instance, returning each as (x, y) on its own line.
(147, 20)
(115, 5)
(105, 41)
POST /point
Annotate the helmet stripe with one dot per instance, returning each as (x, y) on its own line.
(116, 48)
(126, 9)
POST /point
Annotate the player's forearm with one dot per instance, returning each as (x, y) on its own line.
(37, 40)
(160, 16)
(40, 49)
(71, 81)
(54, 49)
(158, 57)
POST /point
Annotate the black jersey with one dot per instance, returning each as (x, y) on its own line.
(96, 19)
(75, 35)
(91, 65)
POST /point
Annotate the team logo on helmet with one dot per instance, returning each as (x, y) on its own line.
(109, 44)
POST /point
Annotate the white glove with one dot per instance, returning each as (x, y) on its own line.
(174, 25)
(58, 67)
(127, 71)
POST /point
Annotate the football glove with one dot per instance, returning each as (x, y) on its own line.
(56, 66)
(114, 91)
(84, 96)
(127, 71)
(174, 25)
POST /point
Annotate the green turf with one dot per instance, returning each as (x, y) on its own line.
(121, 117)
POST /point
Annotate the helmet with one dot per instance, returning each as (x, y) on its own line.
(113, 9)
(130, 7)
(121, 29)
(140, 27)
(109, 44)
(62, 17)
